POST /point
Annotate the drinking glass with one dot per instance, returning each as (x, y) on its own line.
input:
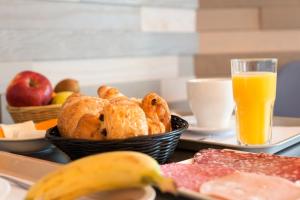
(254, 91)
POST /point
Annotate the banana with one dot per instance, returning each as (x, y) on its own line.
(101, 172)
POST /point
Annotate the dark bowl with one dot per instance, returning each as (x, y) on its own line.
(159, 146)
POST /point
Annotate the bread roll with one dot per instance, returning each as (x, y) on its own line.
(74, 108)
(113, 116)
(124, 119)
(90, 127)
(110, 93)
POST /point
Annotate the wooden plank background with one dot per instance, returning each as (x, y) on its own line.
(228, 19)
(246, 28)
(190, 4)
(247, 3)
(136, 45)
(250, 41)
(57, 45)
(68, 16)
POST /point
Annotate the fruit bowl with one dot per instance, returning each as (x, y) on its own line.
(159, 146)
(34, 113)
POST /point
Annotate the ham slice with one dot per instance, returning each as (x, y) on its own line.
(261, 163)
(250, 186)
(191, 176)
(233, 175)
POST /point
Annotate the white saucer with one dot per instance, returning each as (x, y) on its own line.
(206, 130)
(4, 189)
(209, 130)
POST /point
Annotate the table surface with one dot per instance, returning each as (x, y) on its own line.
(55, 155)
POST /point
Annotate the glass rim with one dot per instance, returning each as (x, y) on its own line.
(253, 59)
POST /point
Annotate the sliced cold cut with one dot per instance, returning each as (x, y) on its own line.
(262, 163)
(191, 176)
(250, 186)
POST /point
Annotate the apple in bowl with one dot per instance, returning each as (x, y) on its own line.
(29, 88)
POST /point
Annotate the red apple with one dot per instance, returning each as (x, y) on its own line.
(29, 88)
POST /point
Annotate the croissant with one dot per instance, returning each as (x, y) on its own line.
(157, 109)
(110, 93)
(90, 127)
(124, 119)
(74, 108)
(155, 127)
(113, 116)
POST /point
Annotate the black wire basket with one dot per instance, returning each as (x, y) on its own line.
(159, 146)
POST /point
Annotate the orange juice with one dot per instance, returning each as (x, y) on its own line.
(254, 94)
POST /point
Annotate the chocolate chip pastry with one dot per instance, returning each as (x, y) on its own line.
(112, 115)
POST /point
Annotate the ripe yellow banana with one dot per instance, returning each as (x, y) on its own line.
(106, 171)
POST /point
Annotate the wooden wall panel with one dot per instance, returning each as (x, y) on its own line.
(186, 66)
(249, 41)
(75, 16)
(188, 4)
(218, 65)
(156, 3)
(50, 45)
(280, 17)
(68, 16)
(228, 19)
(168, 20)
(246, 3)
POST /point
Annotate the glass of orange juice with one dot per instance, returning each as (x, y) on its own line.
(254, 91)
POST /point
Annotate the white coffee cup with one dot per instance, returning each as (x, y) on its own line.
(211, 101)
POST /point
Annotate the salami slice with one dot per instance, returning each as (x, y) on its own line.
(191, 176)
(262, 163)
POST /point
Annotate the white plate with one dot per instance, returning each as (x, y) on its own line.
(146, 193)
(29, 143)
(24, 145)
(5, 189)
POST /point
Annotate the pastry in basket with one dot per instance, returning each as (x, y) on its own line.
(110, 93)
(115, 96)
(90, 127)
(113, 116)
(74, 109)
(96, 119)
(124, 119)
(157, 109)
(155, 127)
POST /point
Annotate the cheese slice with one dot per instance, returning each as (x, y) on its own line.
(251, 186)
(20, 130)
